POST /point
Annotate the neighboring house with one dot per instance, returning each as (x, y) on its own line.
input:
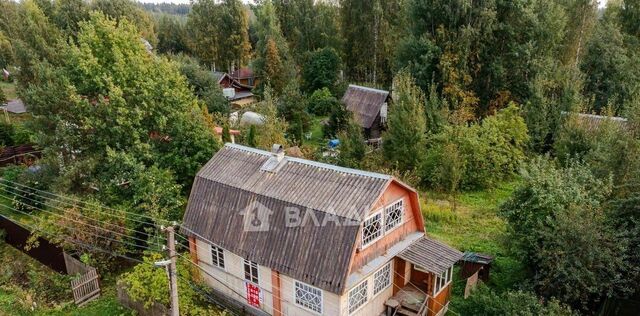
(287, 236)
(593, 122)
(238, 94)
(245, 76)
(232, 133)
(369, 107)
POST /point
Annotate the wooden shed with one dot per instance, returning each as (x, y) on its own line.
(369, 107)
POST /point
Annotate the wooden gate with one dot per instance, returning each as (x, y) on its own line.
(86, 288)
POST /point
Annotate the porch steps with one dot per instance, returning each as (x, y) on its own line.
(407, 310)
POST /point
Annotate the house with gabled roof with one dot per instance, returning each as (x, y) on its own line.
(369, 108)
(288, 236)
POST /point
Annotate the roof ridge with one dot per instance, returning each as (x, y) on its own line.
(368, 88)
(315, 163)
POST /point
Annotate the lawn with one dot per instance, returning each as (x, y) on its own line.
(9, 89)
(23, 281)
(475, 226)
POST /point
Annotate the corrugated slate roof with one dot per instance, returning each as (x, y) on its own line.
(232, 183)
(365, 103)
(431, 255)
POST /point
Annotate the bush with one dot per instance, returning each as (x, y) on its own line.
(478, 156)
(322, 103)
(558, 225)
(6, 134)
(485, 301)
(147, 284)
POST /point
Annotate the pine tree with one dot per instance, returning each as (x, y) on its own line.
(404, 141)
(273, 62)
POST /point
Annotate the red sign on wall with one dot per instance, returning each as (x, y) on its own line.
(253, 294)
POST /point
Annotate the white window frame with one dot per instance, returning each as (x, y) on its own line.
(441, 281)
(366, 244)
(399, 223)
(251, 276)
(303, 285)
(219, 255)
(363, 302)
(389, 279)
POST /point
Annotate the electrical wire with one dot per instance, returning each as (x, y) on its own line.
(93, 204)
(73, 220)
(3, 187)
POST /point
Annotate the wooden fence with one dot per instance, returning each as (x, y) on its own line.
(22, 154)
(86, 288)
(47, 253)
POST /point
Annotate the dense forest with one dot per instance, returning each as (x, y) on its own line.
(543, 92)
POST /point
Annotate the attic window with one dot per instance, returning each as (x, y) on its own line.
(393, 215)
(372, 229)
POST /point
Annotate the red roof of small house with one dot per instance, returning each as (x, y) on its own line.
(218, 131)
(242, 73)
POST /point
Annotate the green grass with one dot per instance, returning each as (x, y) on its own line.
(475, 226)
(18, 299)
(9, 89)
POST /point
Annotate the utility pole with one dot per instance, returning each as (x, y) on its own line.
(173, 274)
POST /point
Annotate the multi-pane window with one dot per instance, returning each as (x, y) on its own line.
(393, 215)
(357, 296)
(442, 280)
(251, 271)
(217, 256)
(308, 297)
(382, 279)
(372, 229)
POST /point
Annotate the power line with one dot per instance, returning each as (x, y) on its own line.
(82, 223)
(87, 232)
(72, 205)
(93, 204)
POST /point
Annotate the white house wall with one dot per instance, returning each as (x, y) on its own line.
(233, 276)
(330, 301)
(374, 305)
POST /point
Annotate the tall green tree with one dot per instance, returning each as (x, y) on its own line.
(110, 93)
(403, 143)
(172, 35)
(219, 33)
(551, 215)
(308, 25)
(370, 30)
(320, 69)
(611, 67)
(352, 145)
(131, 11)
(273, 63)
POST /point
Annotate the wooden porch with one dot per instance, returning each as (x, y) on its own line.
(408, 301)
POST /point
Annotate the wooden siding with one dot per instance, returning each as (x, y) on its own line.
(412, 222)
(438, 302)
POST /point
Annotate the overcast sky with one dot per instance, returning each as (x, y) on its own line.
(602, 2)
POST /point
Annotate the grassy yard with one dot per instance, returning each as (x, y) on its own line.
(475, 226)
(21, 287)
(9, 89)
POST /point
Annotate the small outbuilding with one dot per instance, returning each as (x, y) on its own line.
(473, 262)
(369, 107)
